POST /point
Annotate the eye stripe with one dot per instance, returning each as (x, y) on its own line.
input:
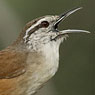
(38, 23)
(33, 28)
(30, 32)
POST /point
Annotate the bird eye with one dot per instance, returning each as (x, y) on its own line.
(45, 24)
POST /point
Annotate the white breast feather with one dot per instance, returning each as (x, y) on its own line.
(48, 68)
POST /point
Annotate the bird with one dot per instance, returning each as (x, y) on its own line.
(33, 58)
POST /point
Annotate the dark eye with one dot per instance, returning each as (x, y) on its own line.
(45, 24)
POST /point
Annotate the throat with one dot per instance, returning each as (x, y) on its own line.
(51, 54)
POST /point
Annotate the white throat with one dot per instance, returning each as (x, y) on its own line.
(51, 54)
(49, 66)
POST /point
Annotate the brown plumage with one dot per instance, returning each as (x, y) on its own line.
(15, 71)
(12, 63)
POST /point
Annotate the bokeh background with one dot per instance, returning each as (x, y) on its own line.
(76, 71)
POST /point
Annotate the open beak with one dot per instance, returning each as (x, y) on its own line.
(62, 17)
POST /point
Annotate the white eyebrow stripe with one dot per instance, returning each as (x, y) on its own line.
(35, 25)
(26, 35)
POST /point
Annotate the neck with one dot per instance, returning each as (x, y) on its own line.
(51, 53)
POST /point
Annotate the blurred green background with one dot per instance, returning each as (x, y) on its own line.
(76, 71)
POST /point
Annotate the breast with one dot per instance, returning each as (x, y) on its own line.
(42, 66)
(51, 54)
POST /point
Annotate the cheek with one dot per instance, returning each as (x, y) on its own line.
(40, 37)
(42, 30)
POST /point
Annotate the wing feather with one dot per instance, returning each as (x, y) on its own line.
(12, 64)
